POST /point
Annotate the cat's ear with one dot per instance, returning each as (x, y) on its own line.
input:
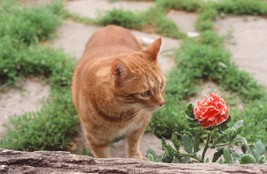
(153, 49)
(119, 69)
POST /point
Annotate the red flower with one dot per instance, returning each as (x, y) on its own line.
(212, 111)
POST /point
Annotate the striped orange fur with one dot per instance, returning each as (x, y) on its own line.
(115, 88)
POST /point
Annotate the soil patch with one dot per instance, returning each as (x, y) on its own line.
(247, 43)
(185, 21)
(72, 38)
(28, 98)
(92, 8)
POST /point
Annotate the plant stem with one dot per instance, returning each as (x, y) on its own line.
(206, 147)
(191, 156)
(219, 145)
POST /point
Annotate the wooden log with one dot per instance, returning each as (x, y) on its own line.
(16, 162)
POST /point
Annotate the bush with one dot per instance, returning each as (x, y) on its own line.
(188, 5)
(205, 20)
(241, 7)
(207, 62)
(53, 126)
(155, 17)
(211, 38)
(121, 17)
(30, 25)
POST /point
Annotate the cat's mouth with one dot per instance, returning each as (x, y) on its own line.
(155, 108)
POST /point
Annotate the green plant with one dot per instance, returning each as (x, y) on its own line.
(205, 20)
(188, 5)
(209, 62)
(223, 138)
(241, 7)
(53, 126)
(121, 17)
(210, 38)
(155, 16)
(152, 17)
(30, 25)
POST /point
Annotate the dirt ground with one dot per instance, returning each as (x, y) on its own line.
(248, 36)
(28, 97)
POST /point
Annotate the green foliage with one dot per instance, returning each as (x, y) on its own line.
(121, 17)
(30, 25)
(155, 16)
(210, 38)
(242, 83)
(205, 20)
(224, 138)
(53, 126)
(206, 61)
(255, 119)
(241, 7)
(188, 5)
(209, 62)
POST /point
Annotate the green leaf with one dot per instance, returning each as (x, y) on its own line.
(224, 125)
(186, 159)
(196, 142)
(169, 152)
(244, 148)
(175, 160)
(261, 160)
(236, 156)
(247, 158)
(227, 156)
(217, 155)
(150, 157)
(189, 112)
(175, 142)
(187, 143)
(238, 126)
(259, 148)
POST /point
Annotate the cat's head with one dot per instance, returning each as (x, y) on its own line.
(138, 79)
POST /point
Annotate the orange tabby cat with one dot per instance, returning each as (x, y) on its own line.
(115, 88)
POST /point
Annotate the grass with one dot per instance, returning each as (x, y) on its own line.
(152, 18)
(188, 5)
(121, 17)
(155, 17)
(236, 7)
(52, 127)
(241, 7)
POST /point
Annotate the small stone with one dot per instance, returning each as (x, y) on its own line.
(192, 34)
(3, 168)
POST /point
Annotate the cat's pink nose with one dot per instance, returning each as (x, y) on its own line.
(161, 103)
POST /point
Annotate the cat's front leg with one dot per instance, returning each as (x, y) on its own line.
(100, 150)
(99, 144)
(133, 142)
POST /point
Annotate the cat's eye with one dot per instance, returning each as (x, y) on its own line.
(146, 93)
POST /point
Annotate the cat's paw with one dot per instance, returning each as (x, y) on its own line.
(137, 155)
